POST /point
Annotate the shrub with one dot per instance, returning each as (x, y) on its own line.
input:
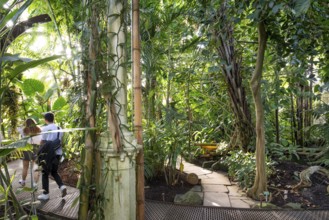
(242, 166)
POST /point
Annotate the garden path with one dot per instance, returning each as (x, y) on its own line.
(216, 189)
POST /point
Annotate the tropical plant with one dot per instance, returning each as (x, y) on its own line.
(11, 68)
(241, 167)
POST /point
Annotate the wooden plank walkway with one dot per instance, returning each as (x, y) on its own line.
(57, 207)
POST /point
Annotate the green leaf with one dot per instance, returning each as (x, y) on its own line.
(14, 15)
(75, 202)
(13, 58)
(34, 217)
(7, 18)
(28, 189)
(5, 152)
(59, 103)
(23, 67)
(17, 144)
(48, 94)
(317, 88)
(284, 142)
(213, 69)
(301, 6)
(276, 8)
(2, 3)
(31, 86)
(23, 217)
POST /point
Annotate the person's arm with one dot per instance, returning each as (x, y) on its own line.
(43, 136)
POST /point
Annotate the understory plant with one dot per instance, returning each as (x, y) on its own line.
(283, 151)
(163, 144)
(241, 167)
(154, 152)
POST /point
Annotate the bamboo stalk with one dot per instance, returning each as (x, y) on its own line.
(91, 78)
(136, 56)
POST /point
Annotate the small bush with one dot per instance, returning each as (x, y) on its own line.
(242, 166)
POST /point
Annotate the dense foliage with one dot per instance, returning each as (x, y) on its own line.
(198, 58)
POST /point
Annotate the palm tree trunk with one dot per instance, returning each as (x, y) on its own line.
(231, 69)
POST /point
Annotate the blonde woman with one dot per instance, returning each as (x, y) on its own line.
(31, 129)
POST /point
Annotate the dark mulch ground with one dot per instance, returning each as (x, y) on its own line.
(287, 176)
(69, 172)
(157, 189)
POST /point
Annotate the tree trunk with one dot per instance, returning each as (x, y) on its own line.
(150, 87)
(308, 100)
(231, 69)
(22, 27)
(260, 183)
(293, 121)
(277, 126)
(299, 116)
(277, 122)
(136, 54)
(189, 114)
(91, 91)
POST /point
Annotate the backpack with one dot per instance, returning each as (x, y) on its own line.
(46, 155)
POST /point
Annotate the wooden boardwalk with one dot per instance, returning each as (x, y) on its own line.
(56, 206)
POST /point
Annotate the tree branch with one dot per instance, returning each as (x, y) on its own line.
(23, 26)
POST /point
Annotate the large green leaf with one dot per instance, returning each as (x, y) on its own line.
(5, 152)
(14, 15)
(59, 103)
(13, 58)
(2, 3)
(21, 68)
(301, 6)
(31, 86)
(50, 92)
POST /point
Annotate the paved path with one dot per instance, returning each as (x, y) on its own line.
(217, 189)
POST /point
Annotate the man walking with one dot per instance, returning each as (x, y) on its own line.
(49, 120)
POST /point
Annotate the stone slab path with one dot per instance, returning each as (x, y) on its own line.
(217, 189)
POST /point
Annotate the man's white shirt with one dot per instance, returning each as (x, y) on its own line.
(53, 135)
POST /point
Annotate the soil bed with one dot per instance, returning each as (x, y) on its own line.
(157, 189)
(287, 176)
(69, 172)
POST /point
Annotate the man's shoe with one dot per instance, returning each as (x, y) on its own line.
(22, 182)
(64, 191)
(43, 197)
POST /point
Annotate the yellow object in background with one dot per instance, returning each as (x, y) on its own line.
(181, 167)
